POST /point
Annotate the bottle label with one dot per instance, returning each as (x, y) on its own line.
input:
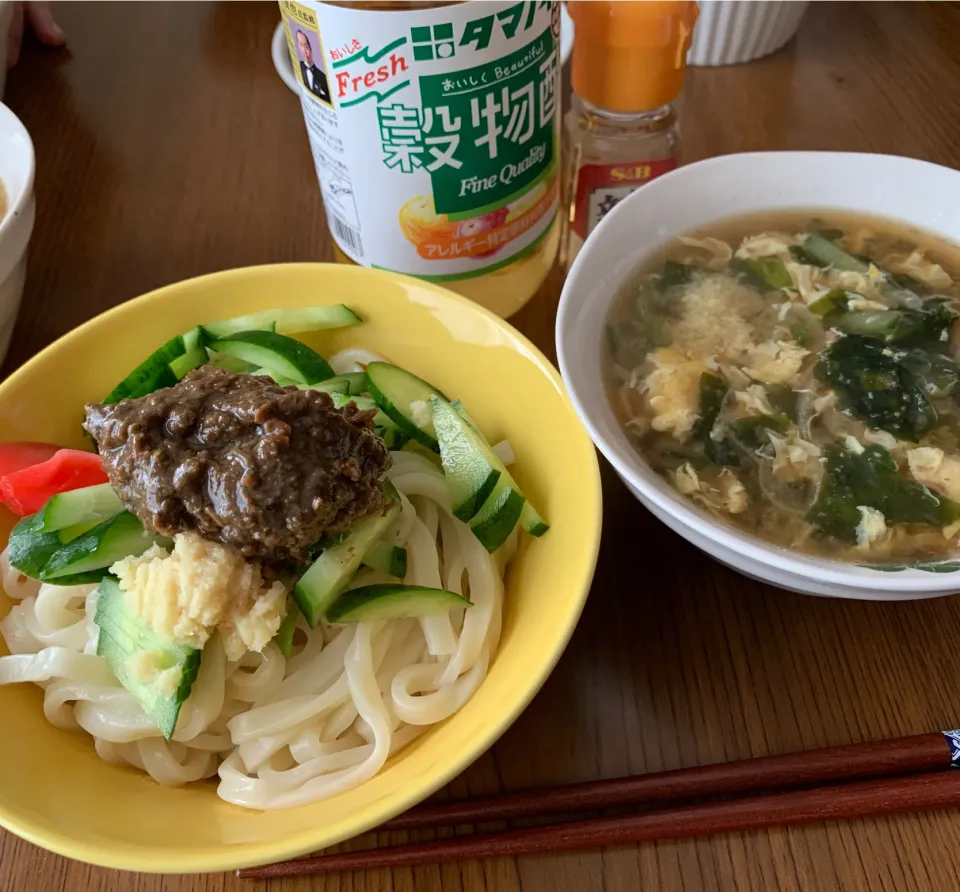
(434, 132)
(601, 187)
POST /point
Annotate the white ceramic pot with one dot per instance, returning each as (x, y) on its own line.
(16, 224)
(918, 193)
(732, 31)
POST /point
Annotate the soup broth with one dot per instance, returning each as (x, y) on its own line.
(797, 375)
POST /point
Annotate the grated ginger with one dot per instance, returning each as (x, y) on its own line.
(714, 325)
(200, 587)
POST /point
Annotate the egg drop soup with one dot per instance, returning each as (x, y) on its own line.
(797, 375)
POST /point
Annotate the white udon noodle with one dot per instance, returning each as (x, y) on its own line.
(282, 732)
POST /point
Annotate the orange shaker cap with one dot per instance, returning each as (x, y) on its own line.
(630, 56)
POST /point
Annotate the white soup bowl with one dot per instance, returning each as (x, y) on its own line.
(913, 192)
(16, 221)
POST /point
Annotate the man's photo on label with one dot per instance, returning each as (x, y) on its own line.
(312, 76)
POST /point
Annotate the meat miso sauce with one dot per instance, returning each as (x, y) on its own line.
(266, 469)
(796, 375)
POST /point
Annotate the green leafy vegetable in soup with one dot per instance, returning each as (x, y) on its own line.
(713, 390)
(870, 479)
(749, 431)
(767, 272)
(875, 387)
(797, 377)
(674, 274)
(928, 325)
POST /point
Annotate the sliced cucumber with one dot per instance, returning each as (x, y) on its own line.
(188, 362)
(277, 353)
(392, 436)
(389, 559)
(499, 514)
(332, 571)
(291, 319)
(78, 506)
(531, 522)
(30, 551)
(331, 386)
(470, 468)
(415, 448)
(276, 378)
(154, 372)
(284, 636)
(108, 542)
(392, 601)
(351, 383)
(124, 638)
(463, 413)
(406, 399)
(231, 364)
(491, 526)
(328, 542)
(357, 382)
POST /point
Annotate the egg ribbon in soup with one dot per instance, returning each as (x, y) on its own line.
(798, 379)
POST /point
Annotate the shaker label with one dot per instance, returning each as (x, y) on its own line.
(600, 187)
(434, 132)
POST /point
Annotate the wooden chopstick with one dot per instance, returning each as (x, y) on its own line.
(909, 756)
(902, 755)
(855, 800)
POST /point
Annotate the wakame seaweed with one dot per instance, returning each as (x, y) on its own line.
(876, 387)
(713, 391)
(871, 479)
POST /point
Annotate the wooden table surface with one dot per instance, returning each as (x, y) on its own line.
(166, 148)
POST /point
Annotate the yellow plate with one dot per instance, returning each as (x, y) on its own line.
(55, 792)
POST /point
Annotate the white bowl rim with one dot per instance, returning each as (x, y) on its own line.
(17, 203)
(631, 466)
